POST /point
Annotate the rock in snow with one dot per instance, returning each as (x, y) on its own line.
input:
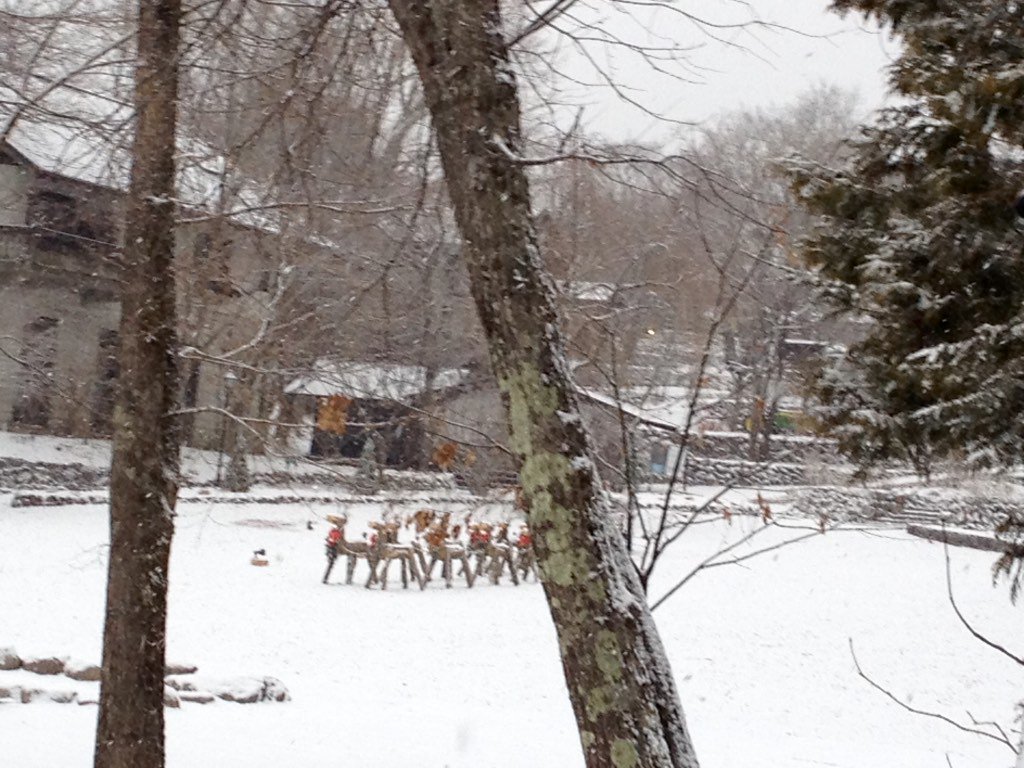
(44, 666)
(9, 659)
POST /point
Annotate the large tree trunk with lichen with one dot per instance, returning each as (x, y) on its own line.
(619, 680)
(143, 485)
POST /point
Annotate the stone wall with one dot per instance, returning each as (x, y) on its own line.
(891, 506)
(786, 449)
(704, 471)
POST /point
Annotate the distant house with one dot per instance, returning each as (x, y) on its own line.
(659, 415)
(350, 402)
(62, 193)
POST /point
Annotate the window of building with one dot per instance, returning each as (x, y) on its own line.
(201, 247)
(659, 459)
(108, 368)
(53, 210)
(266, 279)
(214, 263)
(66, 223)
(33, 406)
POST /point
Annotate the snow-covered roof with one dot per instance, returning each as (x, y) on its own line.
(671, 419)
(375, 381)
(662, 407)
(667, 408)
(60, 147)
(87, 137)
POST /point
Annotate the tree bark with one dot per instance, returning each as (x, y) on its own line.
(622, 690)
(143, 475)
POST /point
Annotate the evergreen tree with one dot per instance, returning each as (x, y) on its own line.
(918, 241)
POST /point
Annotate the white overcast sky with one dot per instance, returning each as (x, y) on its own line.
(754, 67)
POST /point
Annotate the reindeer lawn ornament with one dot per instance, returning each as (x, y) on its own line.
(479, 537)
(492, 553)
(386, 548)
(337, 544)
(422, 519)
(525, 557)
(446, 548)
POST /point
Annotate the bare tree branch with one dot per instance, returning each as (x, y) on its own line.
(956, 609)
(1000, 738)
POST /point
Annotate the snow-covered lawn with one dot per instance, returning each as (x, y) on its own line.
(471, 677)
(198, 466)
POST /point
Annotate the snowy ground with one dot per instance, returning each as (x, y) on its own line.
(471, 677)
(95, 454)
(197, 466)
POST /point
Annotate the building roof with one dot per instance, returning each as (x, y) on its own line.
(667, 408)
(86, 137)
(372, 381)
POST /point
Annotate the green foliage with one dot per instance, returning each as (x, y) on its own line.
(917, 240)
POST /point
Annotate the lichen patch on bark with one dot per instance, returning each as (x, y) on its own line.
(624, 754)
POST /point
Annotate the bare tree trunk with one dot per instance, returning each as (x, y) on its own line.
(143, 475)
(622, 689)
